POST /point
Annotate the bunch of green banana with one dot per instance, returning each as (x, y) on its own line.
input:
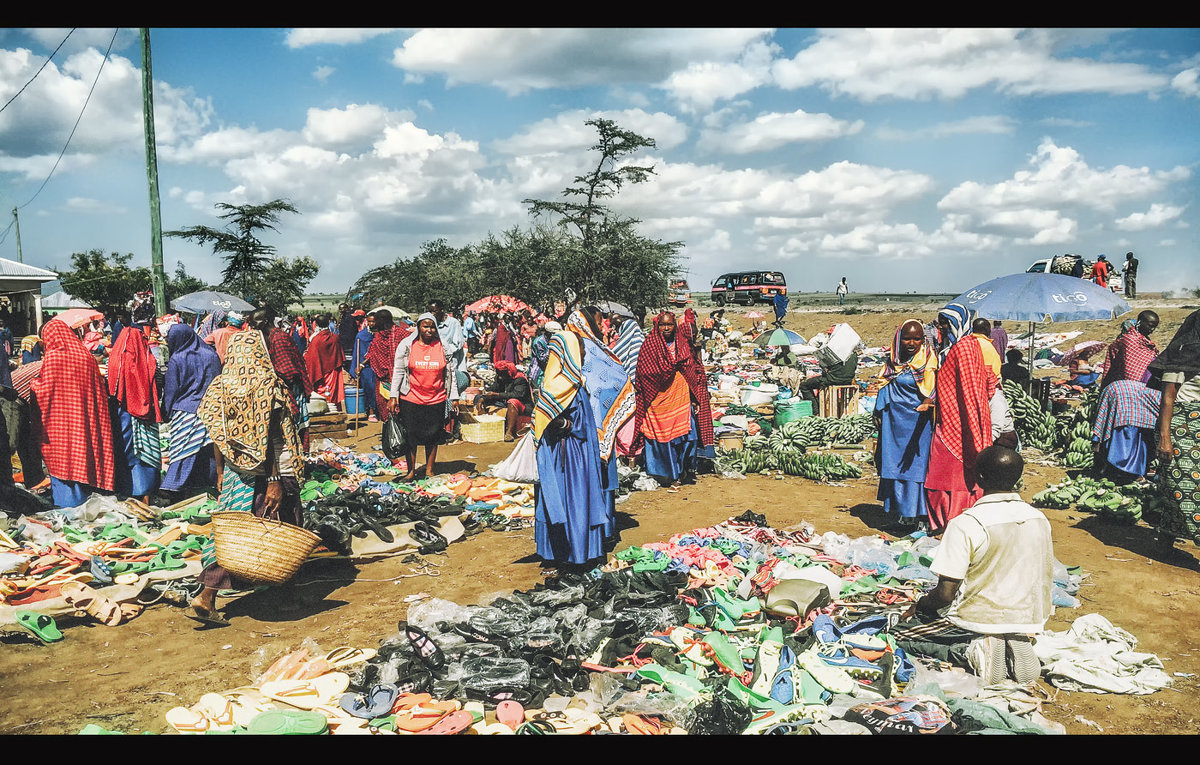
(1067, 492)
(823, 467)
(1078, 453)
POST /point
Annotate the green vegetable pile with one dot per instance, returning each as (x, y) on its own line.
(1121, 504)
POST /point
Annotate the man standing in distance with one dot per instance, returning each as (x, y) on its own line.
(1130, 275)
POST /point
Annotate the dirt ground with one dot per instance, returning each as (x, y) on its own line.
(125, 678)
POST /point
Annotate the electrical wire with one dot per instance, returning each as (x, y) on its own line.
(39, 71)
(77, 120)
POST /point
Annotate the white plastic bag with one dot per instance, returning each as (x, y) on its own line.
(521, 465)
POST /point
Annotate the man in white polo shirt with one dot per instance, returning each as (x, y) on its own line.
(995, 570)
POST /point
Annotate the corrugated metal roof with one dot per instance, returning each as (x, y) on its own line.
(11, 269)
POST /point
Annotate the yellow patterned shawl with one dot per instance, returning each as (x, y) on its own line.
(238, 404)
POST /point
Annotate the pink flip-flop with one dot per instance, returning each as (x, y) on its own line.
(511, 713)
(451, 724)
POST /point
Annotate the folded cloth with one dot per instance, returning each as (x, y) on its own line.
(1096, 657)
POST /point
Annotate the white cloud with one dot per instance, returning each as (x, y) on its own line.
(987, 125)
(425, 104)
(518, 60)
(323, 73)
(1157, 215)
(704, 83)
(299, 38)
(93, 206)
(770, 131)
(870, 64)
(1186, 82)
(1065, 122)
(353, 128)
(567, 132)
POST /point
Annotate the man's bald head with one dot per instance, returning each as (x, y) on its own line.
(998, 469)
(981, 327)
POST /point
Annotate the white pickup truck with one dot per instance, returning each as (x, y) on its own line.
(1047, 266)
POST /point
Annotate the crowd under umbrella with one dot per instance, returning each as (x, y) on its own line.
(207, 301)
(1042, 299)
(78, 317)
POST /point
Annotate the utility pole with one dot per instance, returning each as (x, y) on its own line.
(156, 254)
(17, 223)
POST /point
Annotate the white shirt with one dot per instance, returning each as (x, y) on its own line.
(1002, 421)
(1002, 551)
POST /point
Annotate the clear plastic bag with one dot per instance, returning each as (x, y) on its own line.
(485, 673)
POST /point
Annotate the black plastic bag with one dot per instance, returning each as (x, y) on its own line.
(395, 438)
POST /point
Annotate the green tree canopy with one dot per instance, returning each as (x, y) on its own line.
(107, 282)
(247, 258)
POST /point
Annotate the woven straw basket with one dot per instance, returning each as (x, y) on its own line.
(260, 549)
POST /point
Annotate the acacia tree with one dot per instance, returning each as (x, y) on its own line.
(602, 239)
(247, 258)
(108, 282)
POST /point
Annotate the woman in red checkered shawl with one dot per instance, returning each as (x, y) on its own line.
(965, 384)
(76, 432)
(672, 413)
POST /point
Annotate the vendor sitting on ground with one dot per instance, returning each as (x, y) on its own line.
(995, 570)
(1013, 369)
(785, 357)
(509, 391)
(1082, 374)
(839, 374)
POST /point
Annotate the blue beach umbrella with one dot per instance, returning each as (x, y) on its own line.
(207, 301)
(1042, 299)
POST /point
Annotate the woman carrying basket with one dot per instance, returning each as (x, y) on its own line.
(251, 417)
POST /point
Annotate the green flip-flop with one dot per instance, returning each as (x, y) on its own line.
(288, 722)
(686, 688)
(42, 626)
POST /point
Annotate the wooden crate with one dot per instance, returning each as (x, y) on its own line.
(837, 400)
(327, 424)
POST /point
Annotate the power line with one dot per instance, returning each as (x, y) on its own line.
(77, 119)
(39, 71)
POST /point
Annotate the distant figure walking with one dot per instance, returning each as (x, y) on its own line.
(1100, 271)
(1129, 275)
(842, 291)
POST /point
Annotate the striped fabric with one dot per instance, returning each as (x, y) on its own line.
(562, 380)
(23, 375)
(1123, 403)
(146, 443)
(188, 435)
(628, 345)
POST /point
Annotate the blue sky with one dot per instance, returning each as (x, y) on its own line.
(904, 159)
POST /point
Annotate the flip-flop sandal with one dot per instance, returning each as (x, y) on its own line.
(207, 617)
(246, 704)
(129, 611)
(347, 656)
(419, 718)
(536, 728)
(427, 651)
(452, 724)
(93, 603)
(42, 626)
(187, 720)
(409, 700)
(219, 711)
(641, 726)
(511, 713)
(101, 570)
(306, 694)
(288, 722)
(376, 702)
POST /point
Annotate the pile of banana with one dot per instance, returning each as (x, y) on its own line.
(821, 431)
(758, 458)
(1035, 426)
(1078, 437)
(1119, 504)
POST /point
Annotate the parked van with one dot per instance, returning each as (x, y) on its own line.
(681, 293)
(748, 287)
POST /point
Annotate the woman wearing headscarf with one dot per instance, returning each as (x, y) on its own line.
(905, 434)
(628, 343)
(134, 390)
(1178, 369)
(954, 322)
(381, 355)
(672, 412)
(509, 393)
(206, 328)
(539, 352)
(361, 371)
(76, 432)
(250, 414)
(963, 392)
(611, 397)
(424, 391)
(571, 512)
(288, 364)
(31, 349)
(191, 368)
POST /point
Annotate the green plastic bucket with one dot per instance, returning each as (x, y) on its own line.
(790, 409)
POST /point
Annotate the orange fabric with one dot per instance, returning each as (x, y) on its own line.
(669, 415)
(990, 357)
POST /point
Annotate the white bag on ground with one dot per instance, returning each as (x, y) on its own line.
(521, 465)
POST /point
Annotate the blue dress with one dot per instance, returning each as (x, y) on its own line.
(670, 460)
(137, 469)
(904, 441)
(571, 510)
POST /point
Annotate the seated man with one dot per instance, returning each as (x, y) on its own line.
(839, 374)
(1082, 374)
(995, 570)
(785, 357)
(510, 391)
(1013, 369)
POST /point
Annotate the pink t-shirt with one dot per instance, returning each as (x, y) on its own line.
(426, 374)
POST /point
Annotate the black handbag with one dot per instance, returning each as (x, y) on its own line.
(395, 438)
